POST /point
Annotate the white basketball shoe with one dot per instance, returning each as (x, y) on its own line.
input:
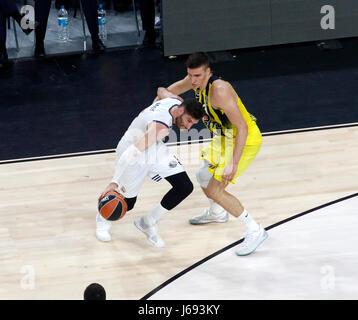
(151, 232)
(208, 217)
(251, 241)
(103, 228)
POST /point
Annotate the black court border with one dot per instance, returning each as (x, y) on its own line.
(164, 284)
(89, 153)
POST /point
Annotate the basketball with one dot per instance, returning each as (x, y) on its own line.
(112, 206)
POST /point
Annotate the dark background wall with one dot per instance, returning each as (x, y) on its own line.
(211, 25)
(82, 102)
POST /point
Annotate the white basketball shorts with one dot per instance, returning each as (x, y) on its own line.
(157, 162)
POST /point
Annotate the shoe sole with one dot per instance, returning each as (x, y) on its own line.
(264, 237)
(207, 221)
(136, 223)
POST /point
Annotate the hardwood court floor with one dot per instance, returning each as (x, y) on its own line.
(48, 207)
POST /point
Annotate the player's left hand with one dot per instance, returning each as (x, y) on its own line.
(229, 172)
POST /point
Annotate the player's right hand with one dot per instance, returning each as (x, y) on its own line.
(111, 187)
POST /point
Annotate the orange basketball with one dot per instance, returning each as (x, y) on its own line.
(112, 206)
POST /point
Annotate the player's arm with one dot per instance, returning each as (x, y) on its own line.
(223, 96)
(155, 131)
(177, 88)
(163, 93)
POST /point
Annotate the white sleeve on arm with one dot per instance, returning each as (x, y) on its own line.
(128, 157)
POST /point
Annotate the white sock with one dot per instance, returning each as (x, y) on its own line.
(215, 208)
(99, 218)
(153, 217)
(248, 221)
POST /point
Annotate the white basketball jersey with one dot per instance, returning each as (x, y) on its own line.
(157, 112)
(157, 162)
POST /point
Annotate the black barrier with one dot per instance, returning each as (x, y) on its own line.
(211, 25)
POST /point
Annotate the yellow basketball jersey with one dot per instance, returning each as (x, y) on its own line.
(217, 121)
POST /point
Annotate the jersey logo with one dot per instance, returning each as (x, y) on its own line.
(173, 164)
(197, 94)
(154, 106)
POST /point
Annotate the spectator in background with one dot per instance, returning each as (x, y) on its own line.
(8, 8)
(94, 292)
(42, 10)
(147, 13)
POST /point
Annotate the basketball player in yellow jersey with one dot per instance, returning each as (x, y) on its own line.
(236, 142)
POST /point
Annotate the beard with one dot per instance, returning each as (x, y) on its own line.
(180, 123)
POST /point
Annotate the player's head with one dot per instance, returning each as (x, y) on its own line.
(94, 292)
(198, 69)
(192, 112)
(197, 59)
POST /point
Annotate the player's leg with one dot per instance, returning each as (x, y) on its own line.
(130, 183)
(211, 156)
(255, 234)
(103, 229)
(103, 226)
(170, 169)
(181, 189)
(215, 212)
(216, 190)
(218, 155)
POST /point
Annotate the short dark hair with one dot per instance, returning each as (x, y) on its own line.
(94, 292)
(193, 108)
(197, 59)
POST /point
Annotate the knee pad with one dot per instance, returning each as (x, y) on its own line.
(203, 176)
(185, 188)
(182, 187)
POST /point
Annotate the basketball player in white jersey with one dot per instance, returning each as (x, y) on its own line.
(141, 153)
